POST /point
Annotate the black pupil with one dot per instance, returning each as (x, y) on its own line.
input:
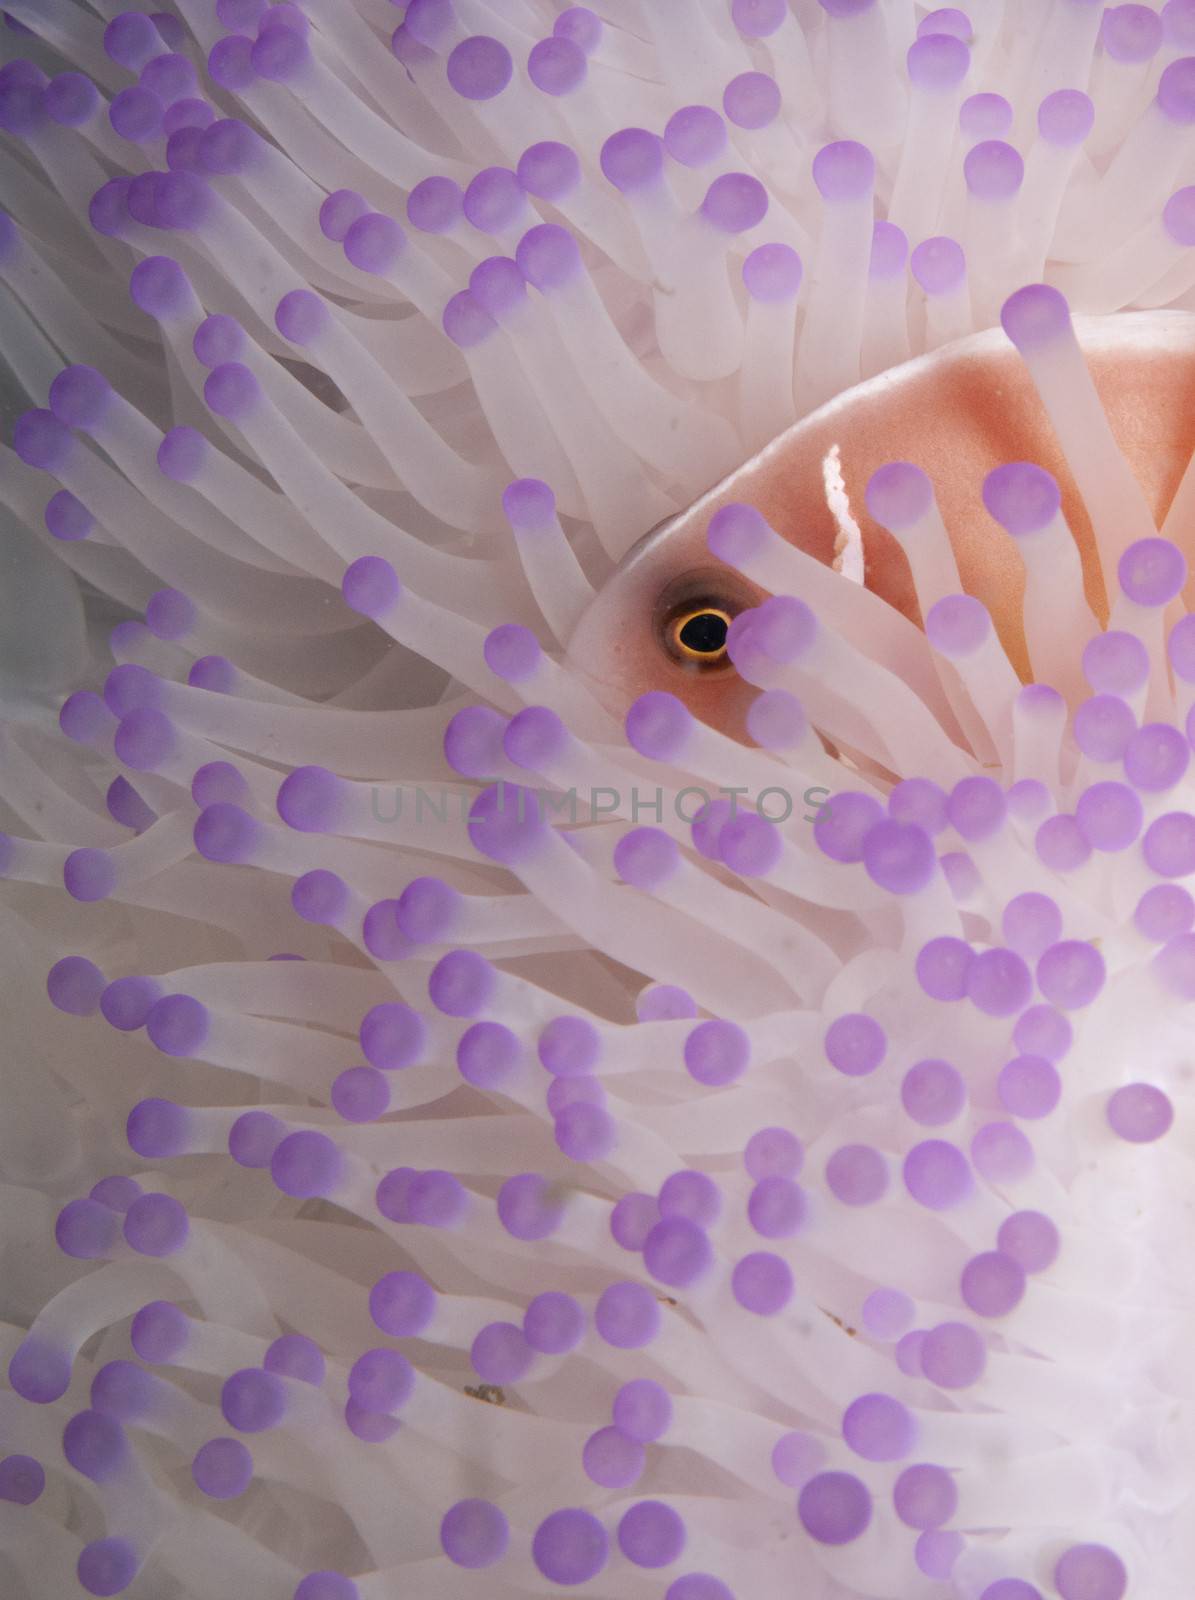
(704, 634)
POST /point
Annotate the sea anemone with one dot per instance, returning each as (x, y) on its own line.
(582, 1058)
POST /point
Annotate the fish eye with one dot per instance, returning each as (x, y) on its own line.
(692, 618)
(699, 634)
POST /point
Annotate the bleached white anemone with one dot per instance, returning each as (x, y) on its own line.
(524, 1107)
